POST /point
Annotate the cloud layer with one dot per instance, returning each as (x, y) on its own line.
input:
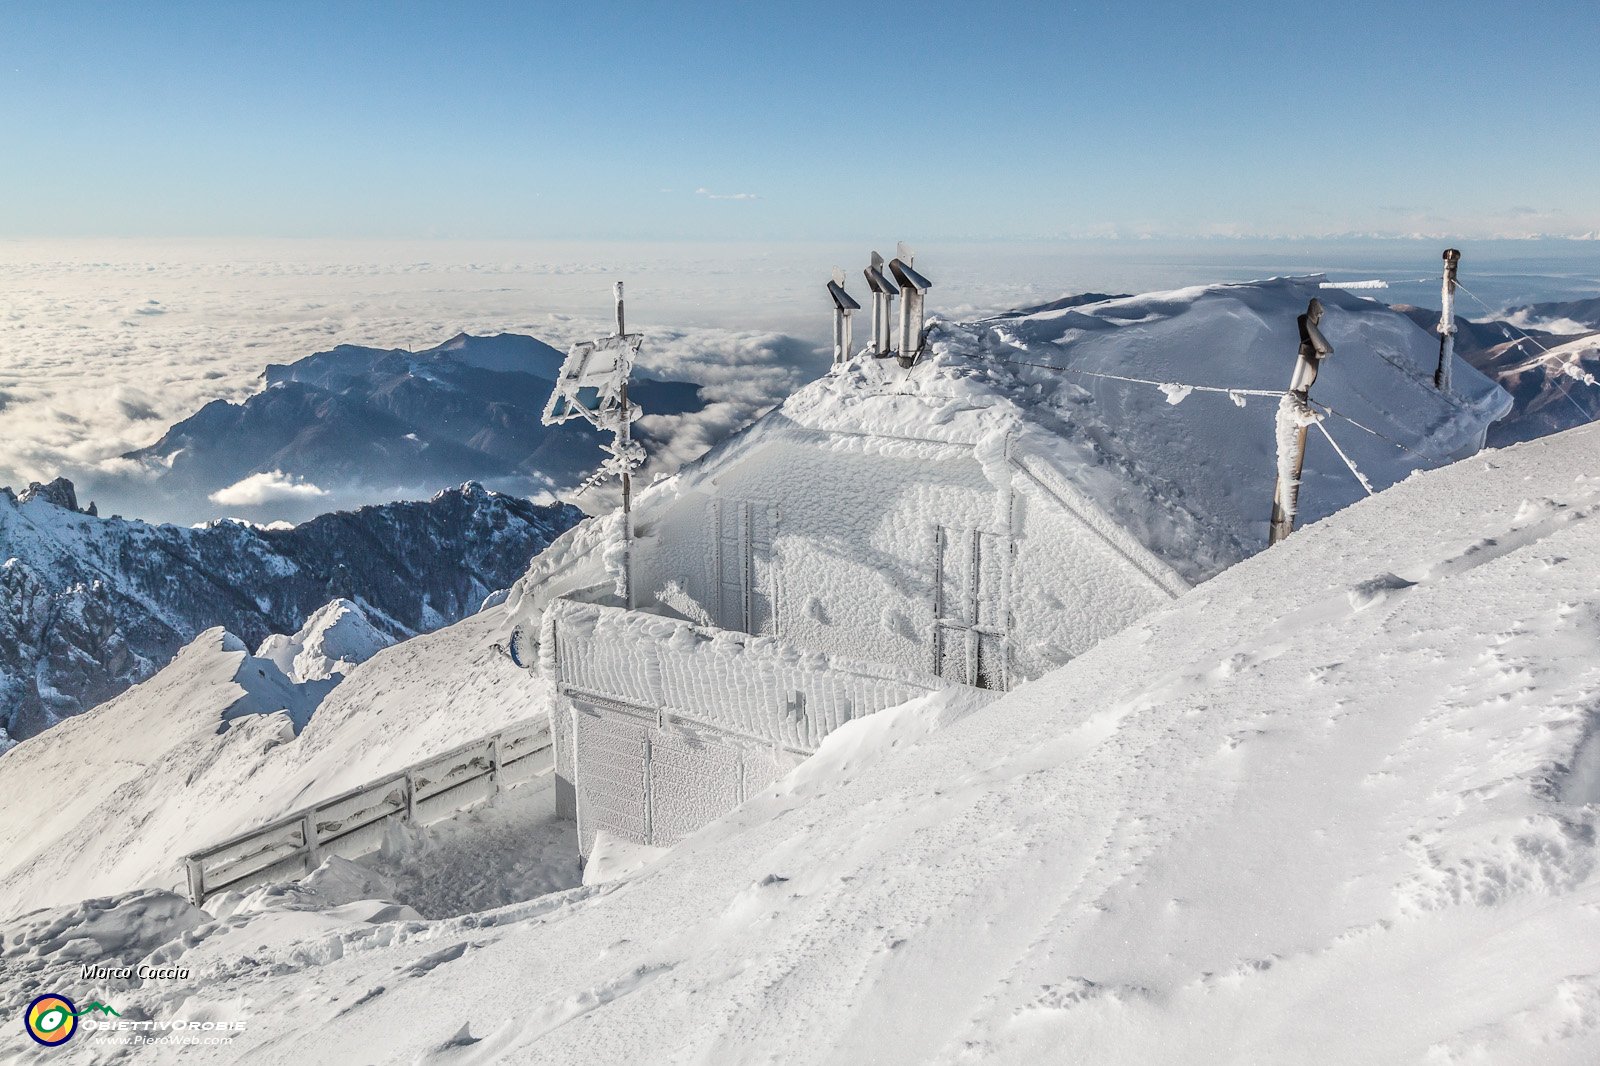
(271, 486)
(104, 344)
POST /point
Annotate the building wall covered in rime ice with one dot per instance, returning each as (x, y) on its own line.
(897, 550)
(822, 576)
(663, 725)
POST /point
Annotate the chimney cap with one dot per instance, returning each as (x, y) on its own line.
(842, 301)
(907, 277)
(875, 279)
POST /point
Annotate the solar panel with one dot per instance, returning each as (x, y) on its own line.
(591, 380)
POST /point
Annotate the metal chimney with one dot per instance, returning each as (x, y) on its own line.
(883, 294)
(843, 305)
(913, 288)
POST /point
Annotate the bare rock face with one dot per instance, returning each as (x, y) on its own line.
(90, 606)
(59, 492)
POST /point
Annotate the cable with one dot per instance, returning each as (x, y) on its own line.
(1146, 381)
(1431, 461)
(1358, 474)
(1375, 433)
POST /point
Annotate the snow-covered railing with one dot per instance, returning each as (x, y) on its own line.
(760, 688)
(665, 725)
(352, 823)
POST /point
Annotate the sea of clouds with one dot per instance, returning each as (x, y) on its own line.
(104, 344)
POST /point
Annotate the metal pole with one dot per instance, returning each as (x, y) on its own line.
(845, 339)
(1286, 498)
(197, 882)
(1297, 402)
(908, 343)
(624, 440)
(308, 830)
(888, 325)
(1447, 320)
(838, 335)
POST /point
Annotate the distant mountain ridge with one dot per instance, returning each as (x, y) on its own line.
(1544, 372)
(370, 423)
(90, 605)
(1585, 312)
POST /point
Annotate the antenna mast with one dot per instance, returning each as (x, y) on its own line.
(593, 386)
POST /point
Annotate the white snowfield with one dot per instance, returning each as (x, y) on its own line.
(1337, 805)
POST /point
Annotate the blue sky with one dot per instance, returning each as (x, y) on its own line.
(586, 120)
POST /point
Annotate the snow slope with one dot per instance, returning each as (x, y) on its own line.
(196, 754)
(1193, 472)
(1554, 385)
(1544, 372)
(1337, 805)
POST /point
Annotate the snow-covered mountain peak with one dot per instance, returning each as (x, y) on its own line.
(336, 638)
(467, 490)
(1240, 830)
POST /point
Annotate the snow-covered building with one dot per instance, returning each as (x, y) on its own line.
(1034, 483)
